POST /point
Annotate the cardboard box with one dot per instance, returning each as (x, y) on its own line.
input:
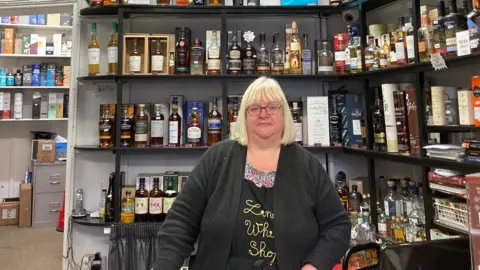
(25, 208)
(33, 44)
(8, 213)
(173, 177)
(41, 19)
(7, 110)
(46, 151)
(65, 19)
(57, 44)
(66, 75)
(476, 99)
(53, 19)
(26, 44)
(9, 42)
(32, 19)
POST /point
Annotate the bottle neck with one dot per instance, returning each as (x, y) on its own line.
(453, 7)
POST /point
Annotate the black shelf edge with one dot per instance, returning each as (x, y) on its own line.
(453, 129)
(324, 149)
(449, 229)
(92, 148)
(94, 222)
(99, 11)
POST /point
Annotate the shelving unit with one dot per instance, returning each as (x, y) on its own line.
(36, 87)
(34, 56)
(32, 26)
(32, 120)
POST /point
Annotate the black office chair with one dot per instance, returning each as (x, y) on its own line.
(358, 248)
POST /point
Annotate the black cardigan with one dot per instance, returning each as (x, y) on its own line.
(310, 226)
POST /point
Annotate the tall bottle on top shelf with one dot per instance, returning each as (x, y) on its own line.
(298, 123)
(93, 53)
(425, 39)
(174, 126)
(134, 58)
(213, 61)
(378, 119)
(234, 56)
(263, 57)
(454, 22)
(473, 23)
(141, 127)
(307, 56)
(141, 202)
(113, 51)
(155, 208)
(277, 61)
(349, 49)
(126, 127)
(214, 132)
(400, 50)
(295, 53)
(409, 37)
(106, 127)
(194, 128)
(249, 54)
(439, 42)
(197, 56)
(325, 60)
(372, 62)
(157, 125)
(157, 58)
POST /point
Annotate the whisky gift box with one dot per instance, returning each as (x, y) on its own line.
(337, 118)
(57, 44)
(438, 105)
(7, 110)
(65, 19)
(390, 121)
(26, 44)
(465, 107)
(66, 100)
(201, 114)
(9, 41)
(52, 19)
(44, 105)
(52, 105)
(59, 105)
(316, 112)
(36, 105)
(403, 135)
(142, 48)
(172, 176)
(476, 99)
(412, 119)
(354, 113)
(451, 106)
(33, 44)
(167, 46)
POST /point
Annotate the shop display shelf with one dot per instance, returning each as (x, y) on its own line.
(94, 222)
(35, 26)
(453, 129)
(33, 56)
(446, 228)
(33, 120)
(35, 87)
(99, 11)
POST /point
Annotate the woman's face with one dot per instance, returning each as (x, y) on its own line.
(265, 119)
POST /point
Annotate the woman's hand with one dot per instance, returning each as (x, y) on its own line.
(309, 267)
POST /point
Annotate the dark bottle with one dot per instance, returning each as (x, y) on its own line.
(126, 127)
(197, 58)
(141, 202)
(378, 119)
(439, 43)
(354, 200)
(263, 57)
(157, 125)
(342, 191)
(18, 78)
(59, 77)
(170, 194)
(233, 115)
(97, 262)
(234, 56)
(277, 57)
(174, 126)
(106, 127)
(182, 53)
(454, 22)
(297, 121)
(249, 55)
(109, 201)
(156, 202)
(214, 131)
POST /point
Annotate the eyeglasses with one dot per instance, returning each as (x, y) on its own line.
(257, 110)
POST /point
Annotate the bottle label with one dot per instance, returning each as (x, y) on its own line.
(157, 128)
(382, 227)
(105, 131)
(196, 62)
(249, 64)
(94, 56)
(215, 124)
(156, 205)
(173, 132)
(452, 44)
(125, 131)
(128, 208)
(473, 24)
(214, 54)
(234, 54)
(234, 62)
(294, 46)
(112, 55)
(299, 132)
(213, 64)
(135, 63)
(400, 51)
(410, 47)
(390, 209)
(141, 205)
(325, 68)
(422, 46)
(141, 130)
(167, 204)
(194, 134)
(157, 63)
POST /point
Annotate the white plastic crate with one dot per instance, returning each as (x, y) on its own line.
(453, 214)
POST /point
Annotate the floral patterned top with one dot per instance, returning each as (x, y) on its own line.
(260, 179)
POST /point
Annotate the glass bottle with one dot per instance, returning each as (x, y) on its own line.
(214, 132)
(399, 234)
(174, 126)
(295, 53)
(425, 39)
(352, 56)
(439, 43)
(372, 61)
(359, 51)
(234, 56)
(128, 209)
(196, 58)
(473, 22)
(392, 50)
(382, 225)
(392, 201)
(365, 205)
(113, 51)
(354, 200)
(64, 47)
(106, 129)
(155, 208)
(58, 76)
(378, 119)
(340, 56)
(182, 2)
(215, 2)
(93, 53)
(163, 2)
(400, 50)
(249, 54)
(364, 232)
(19, 78)
(126, 127)
(277, 61)
(454, 22)
(169, 197)
(157, 58)
(342, 191)
(232, 118)
(409, 38)
(405, 194)
(157, 124)
(194, 128)
(349, 48)
(134, 59)
(10, 78)
(307, 56)
(101, 206)
(141, 127)
(384, 54)
(110, 2)
(213, 61)
(182, 52)
(297, 121)
(263, 57)
(109, 200)
(411, 200)
(325, 60)
(141, 202)
(171, 63)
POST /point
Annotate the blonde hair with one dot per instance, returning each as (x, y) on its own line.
(271, 90)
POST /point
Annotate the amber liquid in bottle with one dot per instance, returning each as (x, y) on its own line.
(232, 118)
(174, 126)
(157, 125)
(113, 51)
(141, 127)
(93, 53)
(97, 3)
(214, 131)
(135, 59)
(194, 128)
(127, 214)
(126, 128)
(157, 59)
(183, 2)
(106, 127)
(110, 2)
(156, 202)
(141, 202)
(163, 2)
(215, 2)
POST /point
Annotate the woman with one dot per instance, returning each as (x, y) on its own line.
(258, 200)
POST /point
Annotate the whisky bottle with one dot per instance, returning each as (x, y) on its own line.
(213, 61)
(378, 119)
(113, 51)
(234, 56)
(127, 214)
(157, 124)
(196, 58)
(182, 53)
(214, 132)
(439, 43)
(163, 2)
(400, 49)
(194, 128)
(372, 61)
(454, 22)
(134, 59)
(215, 2)
(425, 39)
(348, 48)
(64, 47)
(106, 126)
(171, 63)
(110, 2)
(249, 54)
(157, 58)
(232, 118)
(126, 128)
(109, 201)
(277, 64)
(306, 57)
(96, 3)
(93, 53)
(409, 38)
(263, 57)
(155, 208)
(473, 23)
(182, 2)
(141, 202)
(340, 57)
(297, 121)
(393, 55)
(174, 126)
(295, 53)
(141, 127)
(325, 60)
(352, 56)
(170, 194)
(101, 210)
(384, 54)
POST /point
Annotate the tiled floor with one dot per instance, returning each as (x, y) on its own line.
(30, 249)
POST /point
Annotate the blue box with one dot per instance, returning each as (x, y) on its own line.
(354, 107)
(61, 151)
(298, 3)
(188, 117)
(32, 19)
(6, 19)
(41, 19)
